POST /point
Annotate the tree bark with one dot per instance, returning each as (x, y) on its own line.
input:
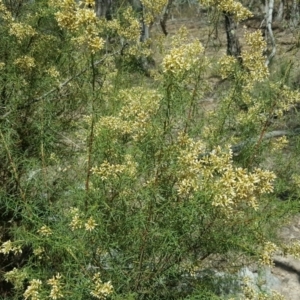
(233, 45)
(102, 8)
(269, 30)
(279, 16)
(295, 15)
(164, 18)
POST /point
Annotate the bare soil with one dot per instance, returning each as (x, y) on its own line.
(287, 269)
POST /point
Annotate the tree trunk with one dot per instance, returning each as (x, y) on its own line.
(279, 16)
(102, 8)
(164, 18)
(233, 45)
(145, 28)
(269, 31)
(295, 13)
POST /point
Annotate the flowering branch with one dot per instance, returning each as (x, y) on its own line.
(273, 134)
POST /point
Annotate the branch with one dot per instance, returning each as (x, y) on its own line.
(273, 134)
(269, 14)
(56, 89)
(164, 17)
(96, 63)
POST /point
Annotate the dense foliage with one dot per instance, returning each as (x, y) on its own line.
(117, 180)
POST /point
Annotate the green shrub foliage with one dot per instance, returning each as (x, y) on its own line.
(117, 185)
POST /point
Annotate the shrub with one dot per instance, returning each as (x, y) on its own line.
(116, 186)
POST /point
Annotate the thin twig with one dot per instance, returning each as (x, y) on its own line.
(91, 135)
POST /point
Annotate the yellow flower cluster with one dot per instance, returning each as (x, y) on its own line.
(52, 71)
(183, 56)
(279, 144)
(152, 8)
(66, 20)
(77, 221)
(189, 165)
(107, 171)
(89, 3)
(16, 277)
(56, 287)
(32, 290)
(288, 98)
(134, 118)
(132, 29)
(249, 293)
(253, 114)
(138, 50)
(292, 249)
(268, 251)
(79, 19)
(234, 188)
(253, 71)
(45, 231)
(90, 224)
(156, 6)
(38, 252)
(5, 14)
(227, 65)
(66, 17)
(21, 31)
(95, 43)
(85, 16)
(101, 290)
(235, 8)
(25, 63)
(239, 187)
(257, 106)
(148, 18)
(8, 246)
(253, 58)
(127, 28)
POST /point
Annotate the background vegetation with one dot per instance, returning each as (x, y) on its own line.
(132, 159)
